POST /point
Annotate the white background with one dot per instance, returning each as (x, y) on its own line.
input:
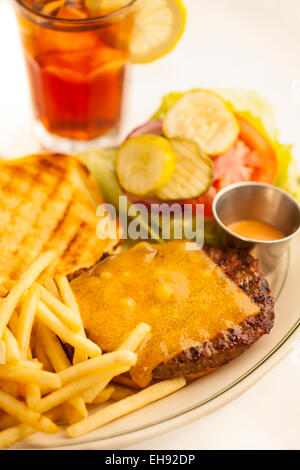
(248, 43)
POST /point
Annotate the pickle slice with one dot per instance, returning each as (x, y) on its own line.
(144, 164)
(202, 116)
(193, 175)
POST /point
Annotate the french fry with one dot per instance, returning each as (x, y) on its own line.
(2, 279)
(136, 337)
(33, 364)
(56, 414)
(105, 395)
(9, 284)
(69, 299)
(51, 286)
(14, 323)
(59, 361)
(52, 347)
(10, 436)
(32, 418)
(29, 354)
(121, 392)
(42, 357)
(77, 404)
(107, 361)
(3, 291)
(13, 354)
(12, 388)
(75, 389)
(90, 395)
(2, 352)
(64, 313)
(72, 414)
(66, 293)
(133, 341)
(75, 339)
(7, 421)
(126, 406)
(28, 277)
(26, 375)
(32, 395)
(26, 319)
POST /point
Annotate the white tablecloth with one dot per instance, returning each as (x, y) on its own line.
(249, 43)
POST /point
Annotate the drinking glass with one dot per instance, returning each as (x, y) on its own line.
(76, 67)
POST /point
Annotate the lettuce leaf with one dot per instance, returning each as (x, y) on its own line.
(166, 103)
(291, 182)
(101, 164)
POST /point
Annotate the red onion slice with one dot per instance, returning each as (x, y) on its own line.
(153, 127)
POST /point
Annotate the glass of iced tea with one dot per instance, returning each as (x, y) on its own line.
(76, 57)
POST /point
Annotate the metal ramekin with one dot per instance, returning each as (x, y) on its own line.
(262, 202)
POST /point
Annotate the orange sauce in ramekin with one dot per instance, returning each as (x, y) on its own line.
(256, 230)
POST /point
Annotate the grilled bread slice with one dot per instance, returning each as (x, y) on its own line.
(48, 202)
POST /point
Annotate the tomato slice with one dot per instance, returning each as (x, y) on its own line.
(251, 158)
(234, 166)
(265, 165)
(206, 199)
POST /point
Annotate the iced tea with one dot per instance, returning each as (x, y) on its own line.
(76, 63)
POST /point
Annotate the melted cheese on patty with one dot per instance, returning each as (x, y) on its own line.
(182, 294)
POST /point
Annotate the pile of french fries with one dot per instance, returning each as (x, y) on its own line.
(40, 389)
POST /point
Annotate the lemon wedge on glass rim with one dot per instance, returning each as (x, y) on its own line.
(202, 116)
(144, 164)
(159, 24)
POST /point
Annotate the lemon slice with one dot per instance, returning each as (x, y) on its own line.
(159, 24)
(203, 117)
(193, 174)
(144, 164)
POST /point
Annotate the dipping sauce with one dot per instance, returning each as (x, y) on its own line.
(256, 230)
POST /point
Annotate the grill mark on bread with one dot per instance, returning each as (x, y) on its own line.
(74, 252)
(61, 240)
(20, 222)
(38, 238)
(13, 189)
(33, 239)
(73, 241)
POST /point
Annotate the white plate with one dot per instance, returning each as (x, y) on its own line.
(211, 391)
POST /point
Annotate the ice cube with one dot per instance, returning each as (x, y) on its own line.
(51, 8)
(72, 11)
(105, 5)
